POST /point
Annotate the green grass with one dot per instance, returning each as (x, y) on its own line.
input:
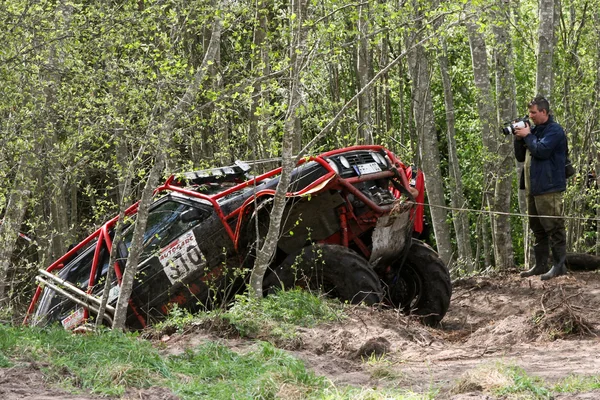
(274, 318)
(104, 363)
(214, 372)
(574, 384)
(537, 388)
(109, 363)
(280, 313)
(524, 384)
(512, 382)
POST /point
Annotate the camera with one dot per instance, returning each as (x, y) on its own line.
(509, 128)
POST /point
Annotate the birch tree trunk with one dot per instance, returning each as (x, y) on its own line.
(11, 223)
(162, 132)
(260, 61)
(363, 67)
(459, 218)
(507, 110)
(545, 50)
(485, 108)
(418, 66)
(298, 53)
(596, 146)
(55, 177)
(386, 102)
(125, 173)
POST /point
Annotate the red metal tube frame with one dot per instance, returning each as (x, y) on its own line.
(103, 236)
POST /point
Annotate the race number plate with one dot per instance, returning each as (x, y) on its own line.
(74, 319)
(369, 168)
(181, 257)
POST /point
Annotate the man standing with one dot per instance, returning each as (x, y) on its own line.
(543, 148)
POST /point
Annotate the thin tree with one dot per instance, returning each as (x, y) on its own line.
(545, 51)
(11, 223)
(363, 68)
(419, 70)
(162, 132)
(298, 53)
(487, 116)
(457, 197)
(506, 106)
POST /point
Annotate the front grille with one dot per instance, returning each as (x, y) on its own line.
(354, 158)
(358, 158)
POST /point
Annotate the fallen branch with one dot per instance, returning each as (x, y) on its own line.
(582, 262)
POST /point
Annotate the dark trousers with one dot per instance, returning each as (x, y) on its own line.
(546, 220)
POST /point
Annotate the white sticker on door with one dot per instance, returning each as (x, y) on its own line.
(181, 257)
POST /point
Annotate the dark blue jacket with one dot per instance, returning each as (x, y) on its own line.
(548, 147)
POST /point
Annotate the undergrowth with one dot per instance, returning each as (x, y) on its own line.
(275, 317)
(280, 313)
(109, 363)
(112, 363)
(513, 382)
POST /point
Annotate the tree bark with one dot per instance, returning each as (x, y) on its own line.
(545, 51)
(162, 132)
(55, 177)
(485, 108)
(137, 242)
(11, 223)
(363, 67)
(459, 218)
(423, 115)
(506, 94)
(298, 51)
(260, 61)
(125, 171)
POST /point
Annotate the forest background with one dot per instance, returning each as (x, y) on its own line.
(97, 93)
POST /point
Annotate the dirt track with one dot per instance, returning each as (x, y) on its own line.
(548, 329)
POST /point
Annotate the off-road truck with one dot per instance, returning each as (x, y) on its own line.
(347, 231)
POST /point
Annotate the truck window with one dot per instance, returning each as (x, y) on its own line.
(54, 306)
(164, 225)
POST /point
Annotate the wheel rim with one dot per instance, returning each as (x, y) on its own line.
(406, 293)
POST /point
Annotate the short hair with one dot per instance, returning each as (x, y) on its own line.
(541, 103)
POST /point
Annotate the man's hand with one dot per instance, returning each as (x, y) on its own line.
(522, 132)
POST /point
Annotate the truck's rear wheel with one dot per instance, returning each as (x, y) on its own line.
(334, 270)
(423, 285)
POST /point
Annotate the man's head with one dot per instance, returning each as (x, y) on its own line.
(539, 110)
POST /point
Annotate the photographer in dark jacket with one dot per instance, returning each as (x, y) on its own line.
(543, 148)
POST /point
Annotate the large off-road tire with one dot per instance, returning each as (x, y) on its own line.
(332, 269)
(423, 286)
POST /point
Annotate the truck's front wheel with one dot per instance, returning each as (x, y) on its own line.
(423, 285)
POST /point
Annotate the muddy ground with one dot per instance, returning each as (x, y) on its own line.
(549, 329)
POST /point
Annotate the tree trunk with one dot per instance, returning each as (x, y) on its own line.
(163, 132)
(260, 60)
(290, 133)
(137, 242)
(485, 107)
(365, 121)
(55, 176)
(545, 51)
(418, 66)
(506, 93)
(11, 223)
(125, 169)
(459, 218)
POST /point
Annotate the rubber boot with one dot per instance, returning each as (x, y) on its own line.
(559, 254)
(541, 252)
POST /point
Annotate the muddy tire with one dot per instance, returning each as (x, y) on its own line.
(423, 286)
(332, 269)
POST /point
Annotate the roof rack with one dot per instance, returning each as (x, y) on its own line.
(231, 173)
